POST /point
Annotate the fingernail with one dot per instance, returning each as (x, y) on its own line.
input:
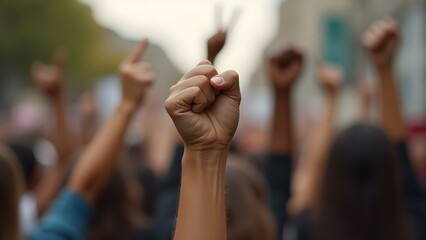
(218, 79)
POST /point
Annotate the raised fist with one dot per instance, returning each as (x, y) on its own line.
(136, 76)
(48, 78)
(205, 106)
(284, 67)
(381, 41)
(330, 77)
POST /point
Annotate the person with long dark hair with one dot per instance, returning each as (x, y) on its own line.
(361, 195)
(382, 42)
(366, 188)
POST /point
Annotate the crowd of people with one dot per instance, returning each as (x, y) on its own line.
(357, 183)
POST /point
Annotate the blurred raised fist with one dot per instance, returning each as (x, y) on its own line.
(205, 106)
(330, 77)
(136, 76)
(48, 78)
(284, 67)
(381, 41)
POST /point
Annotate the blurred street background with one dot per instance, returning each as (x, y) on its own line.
(99, 33)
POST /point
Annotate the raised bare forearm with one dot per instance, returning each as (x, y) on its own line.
(203, 184)
(49, 79)
(392, 119)
(62, 135)
(281, 134)
(317, 156)
(322, 139)
(99, 159)
(285, 66)
(51, 183)
(87, 130)
(382, 42)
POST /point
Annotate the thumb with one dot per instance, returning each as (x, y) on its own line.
(228, 83)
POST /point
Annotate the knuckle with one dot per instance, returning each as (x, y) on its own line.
(197, 91)
(169, 105)
(211, 71)
(124, 70)
(203, 79)
(172, 89)
(234, 75)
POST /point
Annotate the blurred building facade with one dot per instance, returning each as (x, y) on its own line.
(330, 30)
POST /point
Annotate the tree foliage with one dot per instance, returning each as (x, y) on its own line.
(32, 29)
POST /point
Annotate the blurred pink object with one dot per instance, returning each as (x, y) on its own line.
(28, 116)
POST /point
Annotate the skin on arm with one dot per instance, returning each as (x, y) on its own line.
(99, 159)
(284, 68)
(381, 42)
(366, 93)
(49, 80)
(204, 107)
(308, 177)
(88, 109)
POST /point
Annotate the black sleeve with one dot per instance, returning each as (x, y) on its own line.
(166, 209)
(416, 202)
(278, 175)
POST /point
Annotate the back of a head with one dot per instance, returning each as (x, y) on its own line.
(11, 187)
(248, 213)
(361, 195)
(26, 158)
(117, 211)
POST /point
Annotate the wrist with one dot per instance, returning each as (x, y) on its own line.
(384, 70)
(204, 160)
(384, 73)
(57, 93)
(282, 93)
(332, 96)
(127, 106)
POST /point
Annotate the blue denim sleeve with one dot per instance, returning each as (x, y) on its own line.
(69, 219)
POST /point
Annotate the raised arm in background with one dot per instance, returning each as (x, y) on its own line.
(312, 168)
(204, 107)
(71, 214)
(217, 41)
(88, 112)
(49, 80)
(381, 42)
(284, 68)
(99, 159)
(367, 98)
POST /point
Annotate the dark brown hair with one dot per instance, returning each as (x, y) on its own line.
(361, 195)
(247, 203)
(118, 213)
(11, 187)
